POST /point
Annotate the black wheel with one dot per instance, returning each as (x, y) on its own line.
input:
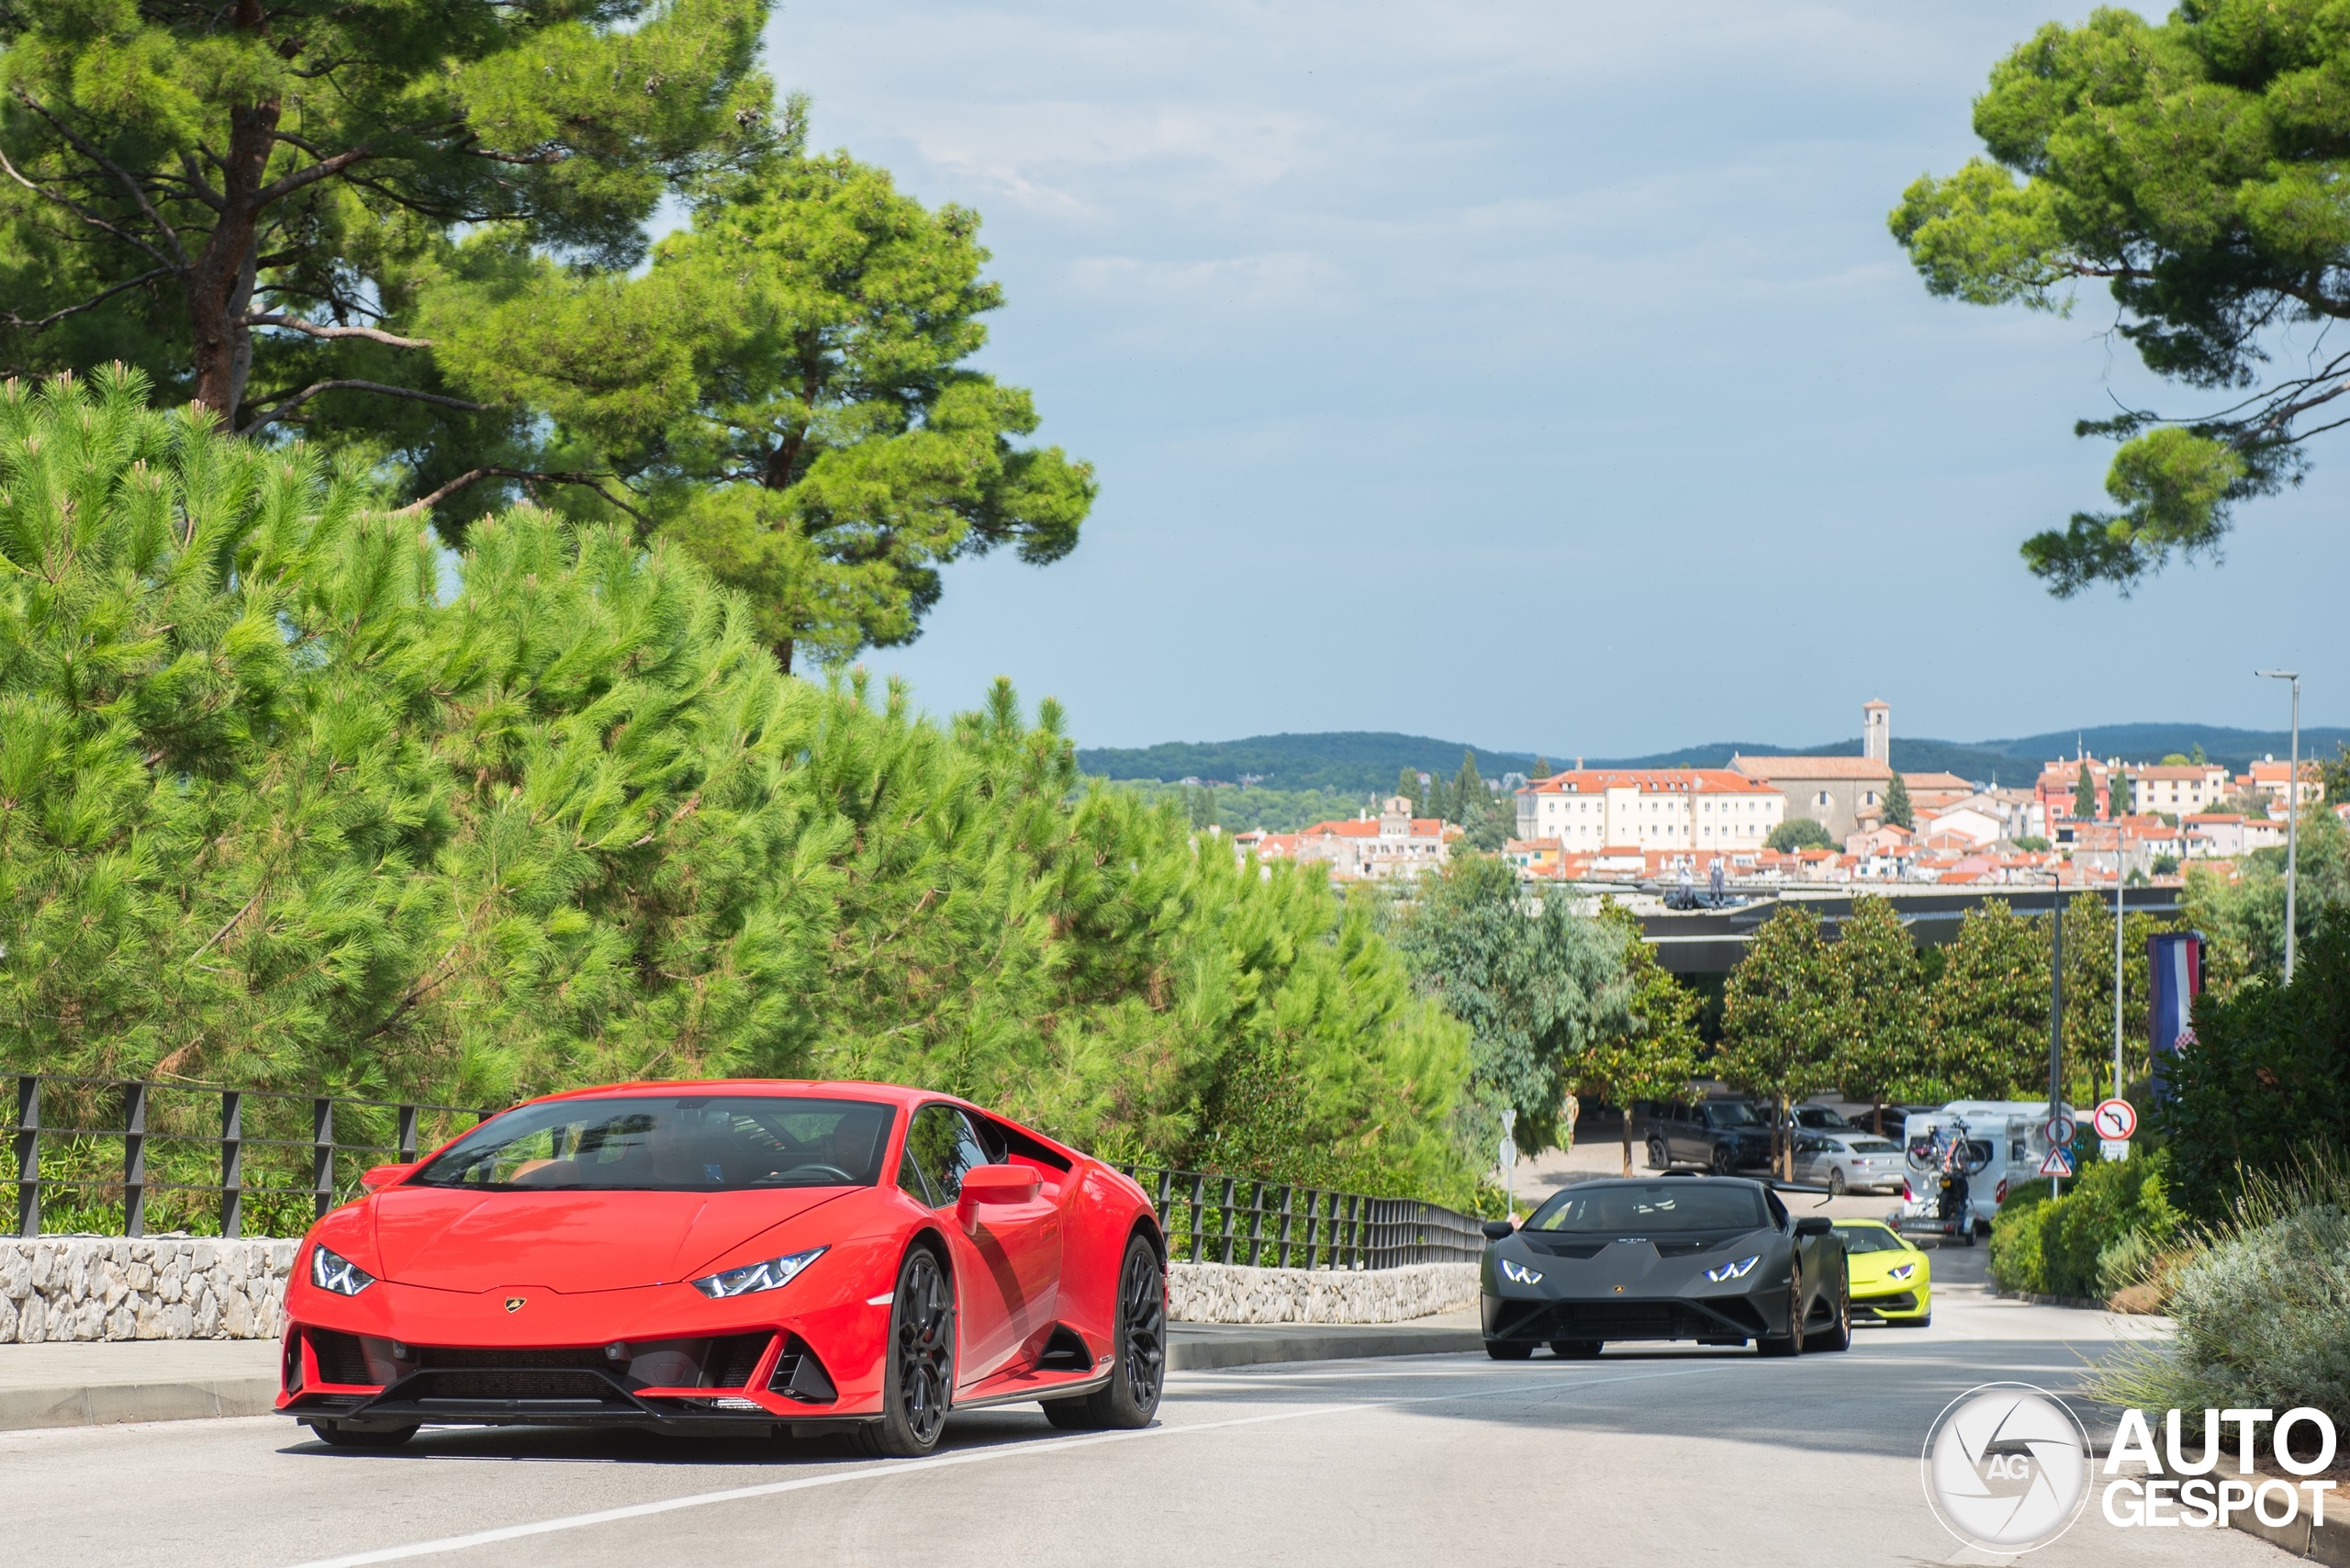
(1792, 1343)
(1835, 1181)
(1839, 1336)
(1139, 1365)
(1575, 1350)
(917, 1379)
(1725, 1162)
(1508, 1350)
(1656, 1154)
(336, 1435)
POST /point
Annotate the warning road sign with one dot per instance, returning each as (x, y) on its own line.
(2116, 1119)
(2058, 1164)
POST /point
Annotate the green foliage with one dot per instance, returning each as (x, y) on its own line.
(2095, 1240)
(1987, 1018)
(2246, 919)
(423, 252)
(2032, 844)
(1898, 812)
(2189, 164)
(1536, 990)
(1237, 809)
(1880, 1056)
(2089, 998)
(287, 798)
(799, 415)
(1648, 1050)
(1786, 1010)
(2084, 795)
(2261, 1301)
(2122, 793)
(2269, 1072)
(1798, 833)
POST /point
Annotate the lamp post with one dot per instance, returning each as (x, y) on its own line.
(2292, 809)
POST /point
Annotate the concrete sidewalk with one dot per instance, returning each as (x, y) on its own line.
(179, 1379)
(140, 1379)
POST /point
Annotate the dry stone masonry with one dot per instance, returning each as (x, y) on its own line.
(1227, 1293)
(56, 1288)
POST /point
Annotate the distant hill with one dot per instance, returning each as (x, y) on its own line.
(1363, 762)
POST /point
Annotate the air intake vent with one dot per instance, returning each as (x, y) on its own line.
(800, 1375)
(732, 1360)
(339, 1358)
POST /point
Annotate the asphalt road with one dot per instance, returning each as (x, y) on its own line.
(1673, 1456)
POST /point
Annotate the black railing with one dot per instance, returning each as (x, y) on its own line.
(68, 1130)
(1215, 1218)
(114, 1157)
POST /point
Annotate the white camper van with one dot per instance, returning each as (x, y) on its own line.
(2006, 1140)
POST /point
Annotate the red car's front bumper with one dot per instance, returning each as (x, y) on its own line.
(657, 1356)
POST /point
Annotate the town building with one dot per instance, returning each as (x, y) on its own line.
(1393, 844)
(2181, 791)
(1588, 810)
(2223, 836)
(1843, 794)
(2270, 776)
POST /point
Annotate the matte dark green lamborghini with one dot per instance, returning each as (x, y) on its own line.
(1714, 1259)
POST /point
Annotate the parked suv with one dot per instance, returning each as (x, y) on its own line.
(1722, 1135)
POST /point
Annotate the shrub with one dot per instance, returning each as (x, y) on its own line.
(2269, 1071)
(2092, 1241)
(2262, 1301)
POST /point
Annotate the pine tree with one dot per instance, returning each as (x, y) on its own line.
(1897, 811)
(1407, 784)
(1469, 793)
(2084, 795)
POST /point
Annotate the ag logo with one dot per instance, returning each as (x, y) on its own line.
(2006, 1467)
(515, 1303)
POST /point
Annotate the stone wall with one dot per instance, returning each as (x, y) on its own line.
(1227, 1293)
(58, 1288)
(72, 1287)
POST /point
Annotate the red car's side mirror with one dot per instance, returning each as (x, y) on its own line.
(989, 1187)
(383, 1176)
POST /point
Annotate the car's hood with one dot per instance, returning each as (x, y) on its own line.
(569, 1242)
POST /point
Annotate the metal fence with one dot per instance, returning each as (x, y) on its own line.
(113, 1157)
(1213, 1219)
(121, 1157)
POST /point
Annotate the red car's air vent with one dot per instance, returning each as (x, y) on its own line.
(339, 1356)
(733, 1360)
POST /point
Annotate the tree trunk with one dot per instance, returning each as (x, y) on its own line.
(1627, 1140)
(1783, 1147)
(221, 283)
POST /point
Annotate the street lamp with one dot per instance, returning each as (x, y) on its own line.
(2292, 809)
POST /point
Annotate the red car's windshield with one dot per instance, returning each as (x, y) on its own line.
(680, 1143)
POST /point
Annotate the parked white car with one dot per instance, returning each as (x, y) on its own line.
(1843, 1162)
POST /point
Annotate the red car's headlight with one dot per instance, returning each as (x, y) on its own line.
(333, 1271)
(773, 1274)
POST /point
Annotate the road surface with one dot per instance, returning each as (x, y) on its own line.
(1671, 1456)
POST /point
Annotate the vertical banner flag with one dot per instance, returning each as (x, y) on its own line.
(2174, 975)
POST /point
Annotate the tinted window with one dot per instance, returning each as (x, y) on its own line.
(944, 1145)
(1652, 1208)
(1732, 1113)
(1869, 1238)
(697, 1143)
(1873, 1146)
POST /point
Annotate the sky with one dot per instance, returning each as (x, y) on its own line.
(1540, 376)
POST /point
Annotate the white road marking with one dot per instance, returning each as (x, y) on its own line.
(939, 1462)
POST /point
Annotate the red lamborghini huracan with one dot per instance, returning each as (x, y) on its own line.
(746, 1257)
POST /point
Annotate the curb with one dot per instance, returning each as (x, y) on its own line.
(108, 1404)
(1192, 1346)
(2078, 1302)
(1201, 1347)
(2328, 1543)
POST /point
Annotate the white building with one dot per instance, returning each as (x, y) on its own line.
(1588, 810)
(1394, 843)
(2179, 791)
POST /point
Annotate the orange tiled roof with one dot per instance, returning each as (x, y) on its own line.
(1649, 780)
(1810, 766)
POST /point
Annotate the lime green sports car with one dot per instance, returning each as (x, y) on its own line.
(1892, 1280)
